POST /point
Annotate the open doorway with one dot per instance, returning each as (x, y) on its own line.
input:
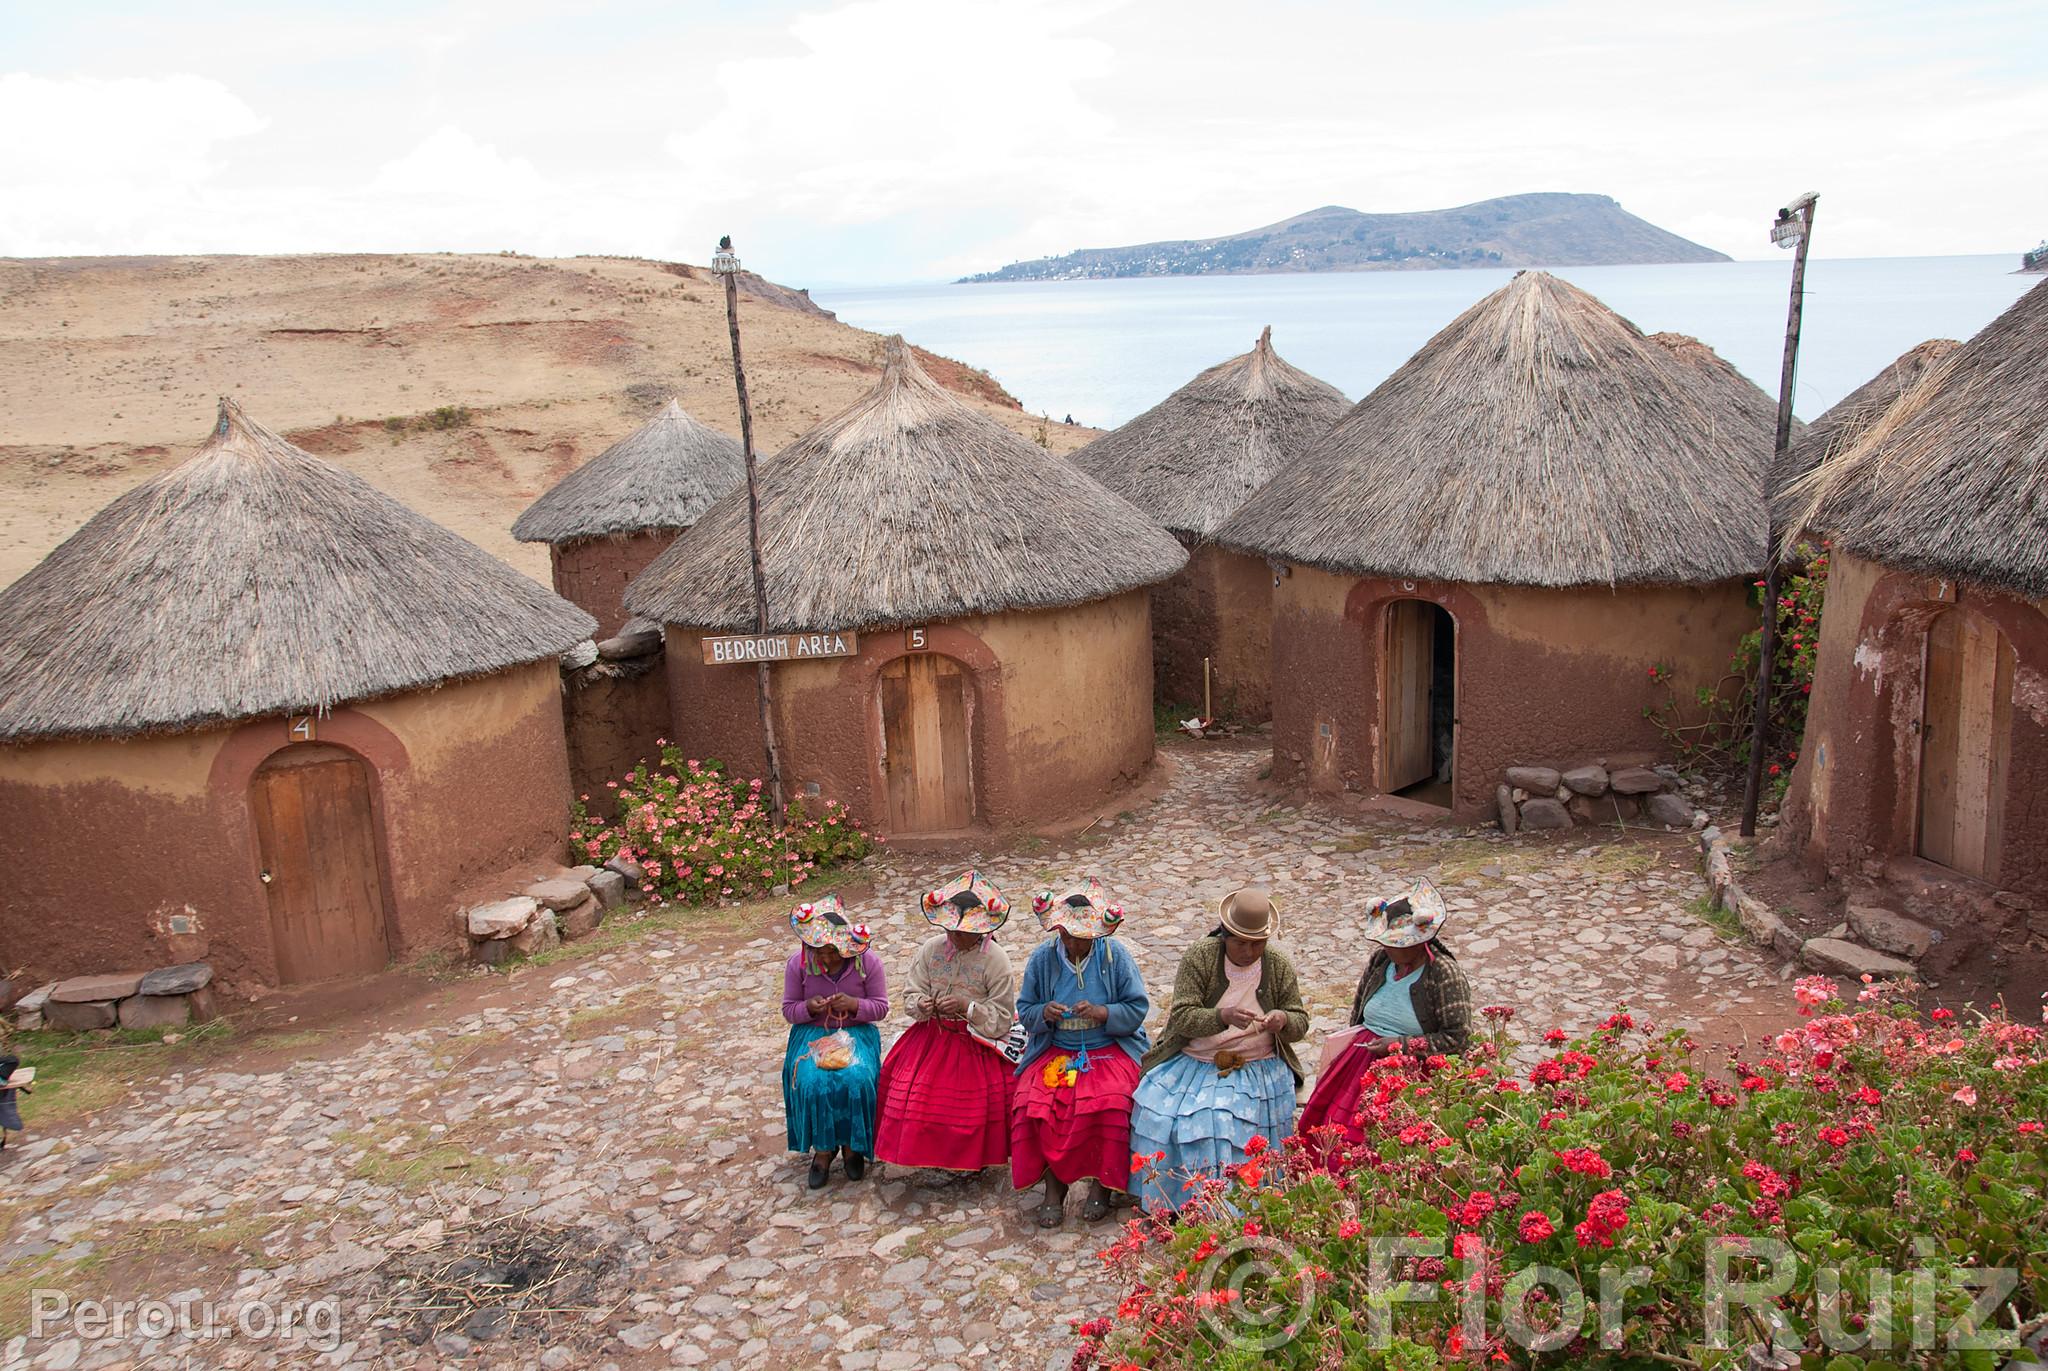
(1418, 696)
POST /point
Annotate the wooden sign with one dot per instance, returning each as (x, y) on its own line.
(915, 640)
(301, 728)
(750, 648)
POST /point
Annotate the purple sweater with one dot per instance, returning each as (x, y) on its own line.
(860, 977)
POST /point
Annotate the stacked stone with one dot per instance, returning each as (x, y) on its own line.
(547, 914)
(629, 652)
(1542, 797)
(168, 997)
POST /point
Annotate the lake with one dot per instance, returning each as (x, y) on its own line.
(1104, 351)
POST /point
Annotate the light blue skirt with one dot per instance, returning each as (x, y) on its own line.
(825, 1110)
(1202, 1120)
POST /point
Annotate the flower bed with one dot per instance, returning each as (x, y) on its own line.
(699, 836)
(1624, 1204)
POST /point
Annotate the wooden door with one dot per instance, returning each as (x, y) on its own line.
(317, 840)
(1407, 751)
(1965, 733)
(925, 759)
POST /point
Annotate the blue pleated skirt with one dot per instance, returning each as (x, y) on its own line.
(1202, 1120)
(824, 1110)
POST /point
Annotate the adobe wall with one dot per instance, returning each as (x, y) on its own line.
(1853, 801)
(614, 723)
(1542, 674)
(593, 573)
(1060, 716)
(107, 842)
(1220, 605)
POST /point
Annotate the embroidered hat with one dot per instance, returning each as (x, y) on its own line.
(1410, 919)
(1084, 911)
(968, 903)
(1251, 913)
(822, 923)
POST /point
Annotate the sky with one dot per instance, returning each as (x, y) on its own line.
(886, 141)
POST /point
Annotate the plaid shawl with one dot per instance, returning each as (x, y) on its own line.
(1443, 1001)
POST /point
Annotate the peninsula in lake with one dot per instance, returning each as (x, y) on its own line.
(1551, 229)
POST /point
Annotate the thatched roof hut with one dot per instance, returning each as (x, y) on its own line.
(256, 579)
(1193, 458)
(907, 507)
(662, 475)
(1539, 440)
(1851, 416)
(1952, 480)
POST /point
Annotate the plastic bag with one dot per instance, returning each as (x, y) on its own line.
(833, 1052)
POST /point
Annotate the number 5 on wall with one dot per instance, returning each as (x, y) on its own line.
(914, 640)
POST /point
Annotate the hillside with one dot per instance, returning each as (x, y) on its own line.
(1543, 230)
(463, 385)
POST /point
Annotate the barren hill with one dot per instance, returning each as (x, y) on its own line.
(463, 385)
(1548, 229)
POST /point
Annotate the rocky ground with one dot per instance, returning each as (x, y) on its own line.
(582, 1163)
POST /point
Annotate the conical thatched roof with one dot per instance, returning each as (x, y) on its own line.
(662, 475)
(1539, 440)
(256, 579)
(1952, 480)
(1857, 411)
(1193, 458)
(908, 507)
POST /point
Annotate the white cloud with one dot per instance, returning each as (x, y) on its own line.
(81, 132)
(450, 162)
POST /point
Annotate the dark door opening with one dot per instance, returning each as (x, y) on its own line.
(1418, 692)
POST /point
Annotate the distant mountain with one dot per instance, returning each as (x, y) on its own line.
(1544, 230)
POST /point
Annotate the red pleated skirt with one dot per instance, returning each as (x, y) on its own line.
(1334, 1101)
(944, 1099)
(1080, 1131)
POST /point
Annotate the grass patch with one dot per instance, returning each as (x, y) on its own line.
(1624, 859)
(1722, 921)
(77, 1073)
(593, 1021)
(22, 1276)
(414, 1157)
(452, 1052)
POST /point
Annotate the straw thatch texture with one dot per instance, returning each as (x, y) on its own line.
(1538, 440)
(907, 507)
(662, 475)
(1855, 412)
(256, 579)
(1952, 480)
(1193, 458)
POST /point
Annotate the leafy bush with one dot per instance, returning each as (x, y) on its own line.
(700, 837)
(1868, 1150)
(1716, 727)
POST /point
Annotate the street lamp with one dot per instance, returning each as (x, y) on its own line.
(1793, 229)
(727, 266)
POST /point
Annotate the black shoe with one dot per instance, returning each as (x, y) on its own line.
(856, 1166)
(821, 1170)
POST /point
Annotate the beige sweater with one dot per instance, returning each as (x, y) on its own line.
(981, 977)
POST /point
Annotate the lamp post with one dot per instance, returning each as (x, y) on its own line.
(1794, 230)
(726, 265)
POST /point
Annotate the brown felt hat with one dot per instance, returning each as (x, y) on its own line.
(1251, 913)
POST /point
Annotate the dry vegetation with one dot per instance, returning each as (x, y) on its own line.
(464, 385)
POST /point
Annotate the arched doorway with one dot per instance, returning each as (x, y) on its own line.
(1418, 701)
(1965, 742)
(322, 865)
(927, 761)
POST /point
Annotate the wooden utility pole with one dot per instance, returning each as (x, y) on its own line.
(1794, 229)
(727, 265)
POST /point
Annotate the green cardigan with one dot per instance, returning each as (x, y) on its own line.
(1199, 987)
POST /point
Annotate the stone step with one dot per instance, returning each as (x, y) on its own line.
(1843, 958)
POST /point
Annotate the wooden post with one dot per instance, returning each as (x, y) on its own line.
(763, 687)
(1208, 710)
(1752, 785)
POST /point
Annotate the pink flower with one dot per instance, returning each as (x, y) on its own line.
(1966, 1097)
(1349, 1229)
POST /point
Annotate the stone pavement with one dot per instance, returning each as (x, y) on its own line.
(610, 1129)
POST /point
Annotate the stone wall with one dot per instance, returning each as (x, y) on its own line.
(1544, 797)
(168, 997)
(615, 708)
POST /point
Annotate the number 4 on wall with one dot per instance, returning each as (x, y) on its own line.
(301, 729)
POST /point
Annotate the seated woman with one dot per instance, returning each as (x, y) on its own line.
(945, 1091)
(832, 982)
(1083, 1004)
(1224, 1069)
(1412, 998)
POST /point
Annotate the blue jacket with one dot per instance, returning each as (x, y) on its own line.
(1046, 972)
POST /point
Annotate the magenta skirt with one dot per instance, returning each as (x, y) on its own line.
(1334, 1101)
(945, 1100)
(1080, 1131)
